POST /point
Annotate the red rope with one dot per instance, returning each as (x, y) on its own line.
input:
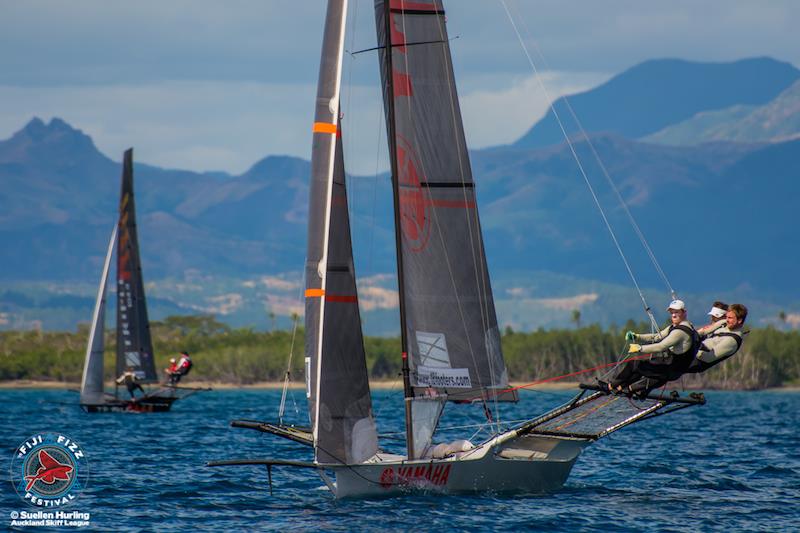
(600, 367)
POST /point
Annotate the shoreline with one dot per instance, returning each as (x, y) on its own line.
(259, 385)
(270, 385)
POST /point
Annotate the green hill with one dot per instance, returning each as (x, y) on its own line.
(775, 121)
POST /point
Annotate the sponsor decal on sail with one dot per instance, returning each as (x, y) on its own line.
(443, 378)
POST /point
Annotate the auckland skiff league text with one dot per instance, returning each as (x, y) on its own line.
(49, 518)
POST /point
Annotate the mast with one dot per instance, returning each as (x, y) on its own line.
(408, 392)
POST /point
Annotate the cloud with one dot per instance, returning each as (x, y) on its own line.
(372, 298)
(275, 283)
(503, 115)
(193, 126)
(567, 304)
(203, 85)
(283, 305)
(224, 304)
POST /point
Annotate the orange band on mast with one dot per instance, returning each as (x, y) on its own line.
(315, 293)
(324, 127)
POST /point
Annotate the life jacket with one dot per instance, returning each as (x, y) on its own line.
(682, 361)
(699, 365)
(185, 366)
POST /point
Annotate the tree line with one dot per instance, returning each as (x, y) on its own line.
(768, 358)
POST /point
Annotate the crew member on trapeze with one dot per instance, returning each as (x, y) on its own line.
(721, 341)
(671, 356)
(716, 318)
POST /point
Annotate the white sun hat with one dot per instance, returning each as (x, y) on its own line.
(676, 305)
(716, 312)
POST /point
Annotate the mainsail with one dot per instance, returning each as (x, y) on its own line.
(92, 381)
(337, 383)
(134, 345)
(451, 332)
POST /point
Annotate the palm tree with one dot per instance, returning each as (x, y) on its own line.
(576, 317)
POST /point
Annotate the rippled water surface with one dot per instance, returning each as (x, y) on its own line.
(733, 464)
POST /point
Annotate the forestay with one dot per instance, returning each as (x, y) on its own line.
(134, 345)
(452, 336)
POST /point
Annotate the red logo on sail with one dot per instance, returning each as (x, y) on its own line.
(414, 219)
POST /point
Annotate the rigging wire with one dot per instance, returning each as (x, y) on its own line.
(604, 170)
(288, 375)
(572, 149)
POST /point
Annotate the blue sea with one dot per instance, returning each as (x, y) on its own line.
(731, 465)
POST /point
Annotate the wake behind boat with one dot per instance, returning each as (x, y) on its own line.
(134, 355)
(450, 339)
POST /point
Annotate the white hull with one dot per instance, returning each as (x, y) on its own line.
(534, 464)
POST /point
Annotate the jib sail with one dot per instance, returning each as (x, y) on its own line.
(338, 389)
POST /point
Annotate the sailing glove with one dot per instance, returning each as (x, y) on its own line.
(633, 348)
(629, 336)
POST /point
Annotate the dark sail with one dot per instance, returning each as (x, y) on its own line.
(337, 385)
(134, 346)
(451, 326)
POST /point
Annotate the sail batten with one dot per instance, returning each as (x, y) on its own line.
(452, 335)
(134, 343)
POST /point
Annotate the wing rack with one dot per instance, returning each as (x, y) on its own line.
(594, 414)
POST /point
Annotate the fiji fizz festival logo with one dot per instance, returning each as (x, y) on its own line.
(49, 470)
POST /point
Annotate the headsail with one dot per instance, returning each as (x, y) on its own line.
(92, 380)
(451, 327)
(338, 388)
(134, 345)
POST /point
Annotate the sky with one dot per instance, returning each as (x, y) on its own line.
(217, 85)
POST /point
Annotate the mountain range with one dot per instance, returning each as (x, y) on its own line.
(704, 155)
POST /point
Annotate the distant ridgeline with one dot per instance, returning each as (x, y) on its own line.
(769, 358)
(689, 145)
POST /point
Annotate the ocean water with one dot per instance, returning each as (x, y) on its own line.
(732, 465)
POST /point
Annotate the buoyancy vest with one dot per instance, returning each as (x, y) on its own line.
(682, 361)
(698, 365)
(185, 366)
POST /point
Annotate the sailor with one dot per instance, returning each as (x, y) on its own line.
(172, 371)
(722, 342)
(671, 356)
(716, 318)
(184, 365)
(131, 381)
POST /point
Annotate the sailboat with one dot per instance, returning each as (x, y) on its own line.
(450, 339)
(134, 344)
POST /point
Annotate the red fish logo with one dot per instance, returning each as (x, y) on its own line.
(50, 471)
